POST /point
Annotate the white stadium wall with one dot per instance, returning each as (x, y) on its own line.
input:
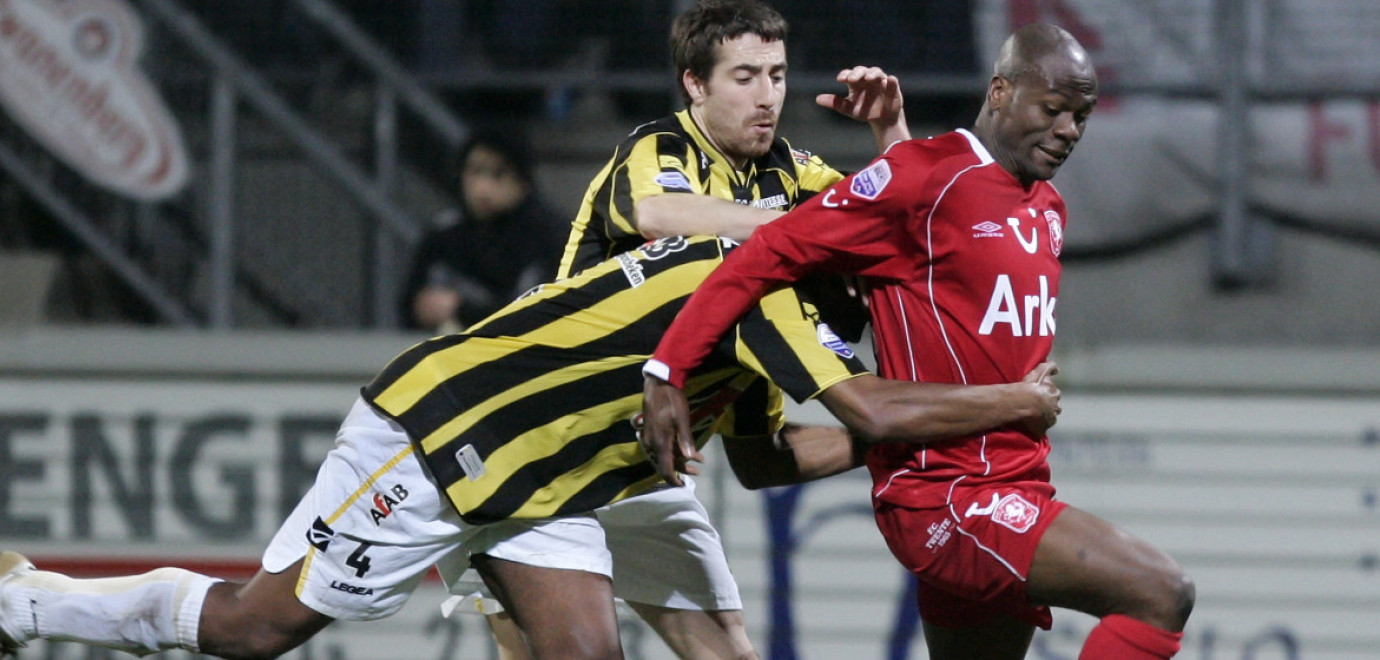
(1258, 470)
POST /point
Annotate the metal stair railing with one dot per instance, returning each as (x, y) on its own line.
(235, 82)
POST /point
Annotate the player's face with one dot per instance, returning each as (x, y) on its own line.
(739, 105)
(1041, 116)
(490, 184)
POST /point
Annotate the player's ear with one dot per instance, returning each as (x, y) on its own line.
(693, 86)
(999, 91)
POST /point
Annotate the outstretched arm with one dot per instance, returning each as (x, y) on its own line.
(873, 97)
(685, 214)
(874, 410)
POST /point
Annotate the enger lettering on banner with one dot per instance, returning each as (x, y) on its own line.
(69, 75)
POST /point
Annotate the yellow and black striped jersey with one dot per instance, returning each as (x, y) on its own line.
(672, 155)
(534, 411)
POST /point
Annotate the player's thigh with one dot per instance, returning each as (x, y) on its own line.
(564, 613)
(699, 634)
(666, 552)
(370, 527)
(1001, 638)
(554, 577)
(1087, 564)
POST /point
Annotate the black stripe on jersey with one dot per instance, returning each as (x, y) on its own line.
(519, 322)
(776, 354)
(668, 144)
(750, 411)
(519, 488)
(605, 487)
(538, 409)
(406, 361)
(483, 382)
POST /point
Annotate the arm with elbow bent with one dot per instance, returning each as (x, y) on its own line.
(796, 454)
(687, 214)
(873, 410)
(879, 410)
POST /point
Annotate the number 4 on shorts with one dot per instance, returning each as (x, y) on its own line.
(358, 561)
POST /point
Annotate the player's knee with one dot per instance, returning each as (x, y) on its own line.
(1171, 598)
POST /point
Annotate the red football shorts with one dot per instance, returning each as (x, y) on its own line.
(972, 557)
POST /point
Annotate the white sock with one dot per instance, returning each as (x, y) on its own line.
(141, 614)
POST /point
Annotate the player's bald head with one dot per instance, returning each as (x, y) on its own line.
(1035, 48)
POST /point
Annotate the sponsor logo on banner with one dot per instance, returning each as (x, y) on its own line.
(871, 181)
(69, 76)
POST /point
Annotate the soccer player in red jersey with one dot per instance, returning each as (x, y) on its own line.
(958, 239)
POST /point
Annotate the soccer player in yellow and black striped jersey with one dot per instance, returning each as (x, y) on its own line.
(533, 413)
(718, 166)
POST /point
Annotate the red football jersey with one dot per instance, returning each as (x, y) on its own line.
(962, 263)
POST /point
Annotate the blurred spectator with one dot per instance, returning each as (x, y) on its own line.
(501, 241)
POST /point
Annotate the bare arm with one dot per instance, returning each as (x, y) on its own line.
(681, 214)
(879, 410)
(874, 410)
(795, 455)
(873, 97)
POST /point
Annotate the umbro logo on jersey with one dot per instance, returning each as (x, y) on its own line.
(987, 229)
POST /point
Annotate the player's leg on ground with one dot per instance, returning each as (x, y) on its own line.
(1141, 595)
(563, 613)
(699, 634)
(508, 637)
(259, 619)
(1002, 638)
(163, 609)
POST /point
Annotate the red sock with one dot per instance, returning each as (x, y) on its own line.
(1119, 637)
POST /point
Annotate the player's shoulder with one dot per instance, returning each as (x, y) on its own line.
(782, 150)
(668, 127)
(951, 145)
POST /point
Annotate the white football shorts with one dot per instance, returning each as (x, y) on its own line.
(374, 522)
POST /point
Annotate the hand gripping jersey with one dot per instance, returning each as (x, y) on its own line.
(534, 412)
(963, 269)
(672, 155)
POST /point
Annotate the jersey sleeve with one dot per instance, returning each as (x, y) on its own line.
(656, 164)
(782, 339)
(759, 410)
(812, 174)
(858, 226)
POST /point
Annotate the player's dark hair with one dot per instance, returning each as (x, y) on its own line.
(697, 33)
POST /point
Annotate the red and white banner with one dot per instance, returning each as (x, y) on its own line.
(69, 75)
